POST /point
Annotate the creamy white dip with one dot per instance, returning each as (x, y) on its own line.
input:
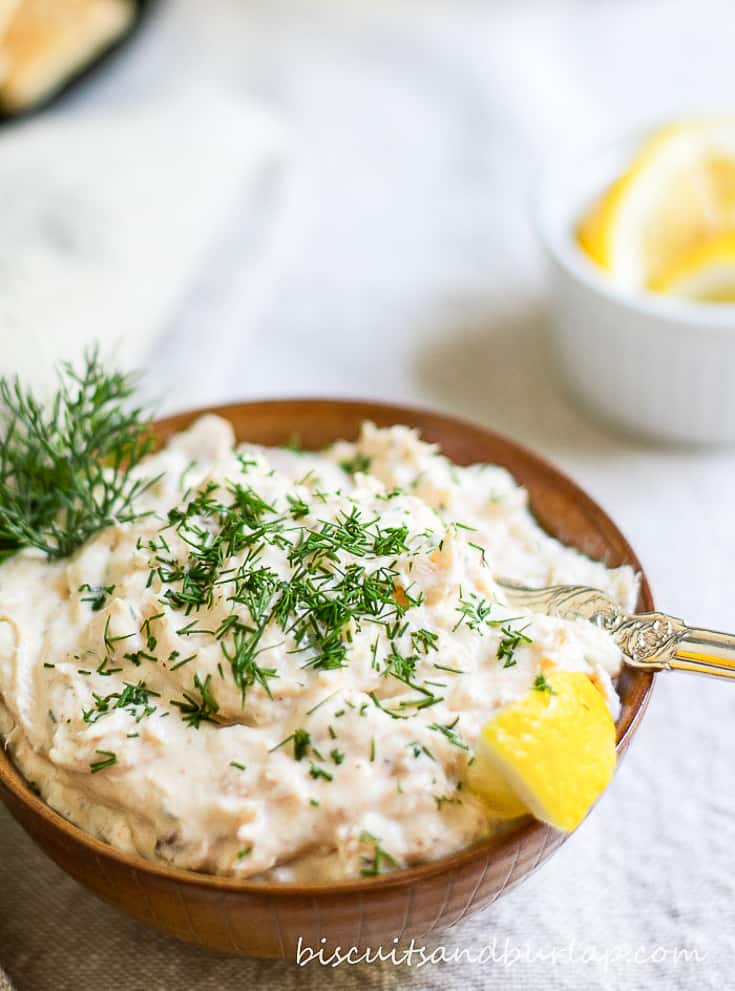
(321, 763)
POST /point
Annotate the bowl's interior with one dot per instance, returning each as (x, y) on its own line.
(560, 506)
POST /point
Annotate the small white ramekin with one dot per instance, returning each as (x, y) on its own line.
(650, 364)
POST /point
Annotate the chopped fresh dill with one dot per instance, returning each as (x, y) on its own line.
(182, 662)
(103, 668)
(109, 640)
(214, 551)
(542, 685)
(451, 670)
(385, 709)
(448, 732)
(151, 641)
(109, 758)
(313, 709)
(97, 595)
(400, 667)
(359, 463)
(136, 657)
(510, 641)
(135, 699)
(301, 743)
(391, 493)
(379, 858)
(473, 610)
(418, 748)
(318, 772)
(195, 711)
(424, 640)
(298, 508)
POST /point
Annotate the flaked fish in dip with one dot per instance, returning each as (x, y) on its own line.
(280, 668)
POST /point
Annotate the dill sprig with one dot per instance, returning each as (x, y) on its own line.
(66, 466)
(509, 643)
(380, 859)
(359, 463)
(448, 732)
(195, 711)
(474, 611)
(542, 685)
(108, 760)
(134, 698)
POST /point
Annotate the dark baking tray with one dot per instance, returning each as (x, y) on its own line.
(87, 73)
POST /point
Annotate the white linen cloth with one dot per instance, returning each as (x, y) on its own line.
(112, 219)
(416, 129)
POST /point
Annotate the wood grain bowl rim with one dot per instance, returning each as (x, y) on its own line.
(429, 423)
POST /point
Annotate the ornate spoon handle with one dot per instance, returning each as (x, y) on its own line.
(660, 642)
(653, 640)
(706, 652)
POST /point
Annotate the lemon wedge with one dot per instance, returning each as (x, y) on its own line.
(677, 195)
(551, 753)
(706, 273)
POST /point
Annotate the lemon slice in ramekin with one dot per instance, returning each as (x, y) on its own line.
(678, 194)
(706, 273)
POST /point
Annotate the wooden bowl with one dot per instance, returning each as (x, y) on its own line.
(268, 920)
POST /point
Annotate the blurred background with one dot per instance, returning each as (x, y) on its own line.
(282, 181)
(257, 198)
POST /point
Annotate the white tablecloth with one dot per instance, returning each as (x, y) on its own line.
(408, 271)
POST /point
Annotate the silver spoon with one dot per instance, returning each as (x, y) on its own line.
(652, 640)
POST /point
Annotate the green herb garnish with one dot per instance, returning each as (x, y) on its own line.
(109, 758)
(473, 610)
(375, 864)
(359, 463)
(298, 508)
(97, 595)
(133, 698)
(542, 685)
(510, 640)
(318, 772)
(418, 749)
(301, 743)
(424, 640)
(195, 711)
(66, 467)
(448, 732)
